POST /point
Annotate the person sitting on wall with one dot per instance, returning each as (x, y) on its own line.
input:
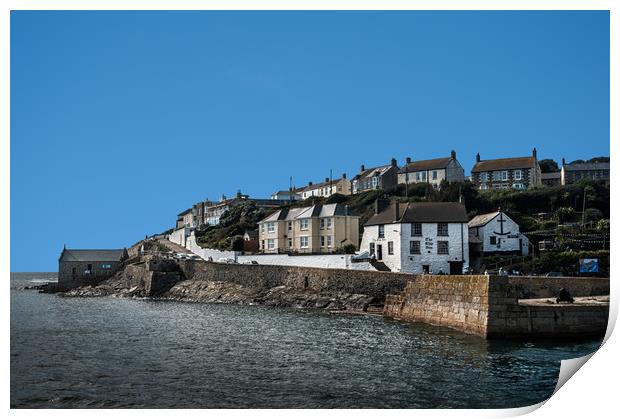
(564, 297)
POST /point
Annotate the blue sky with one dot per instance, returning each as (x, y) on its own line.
(120, 120)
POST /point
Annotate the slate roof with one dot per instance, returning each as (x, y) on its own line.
(587, 166)
(320, 185)
(501, 164)
(416, 166)
(371, 172)
(318, 210)
(482, 219)
(552, 175)
(187, 211)
(92, 255)
(421, 212)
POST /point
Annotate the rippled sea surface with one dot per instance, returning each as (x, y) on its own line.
(114, 352)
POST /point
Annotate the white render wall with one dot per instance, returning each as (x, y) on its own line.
(509, 242)
(309, 261)
(400, 235)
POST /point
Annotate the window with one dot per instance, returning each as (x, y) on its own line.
(303, 224)
(417, 176)
(423, 175)
(322, 241)
(434, 174)
(329, 223)
(381, 231)
(517, 174)
(375, 182)
(442, 247)
(271, 243)
(355, 185)
(414, 247)
(492, 239)
(329, 241)
(106, 266)
(518, 186)
(390, 248)
(372, 248)
(290, 225)
(484, 177)
(416, 229)
(271, 227)
(442, 229)
(322, 223)
(262, 228)
(303, 242)
(290, 243)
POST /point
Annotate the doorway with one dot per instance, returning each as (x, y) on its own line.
(456, 268)
(379, 252)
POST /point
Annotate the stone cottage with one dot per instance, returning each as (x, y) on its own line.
(88, 265)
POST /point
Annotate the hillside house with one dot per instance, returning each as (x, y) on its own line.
(327, 188)
(321, 228)
(420, 237)
(432, 171)
(507, 173)
(382, 177)
(574, 172)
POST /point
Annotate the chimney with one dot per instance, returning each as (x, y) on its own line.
(396, 211)
(563, 162)
(239, 194)
(344, 175)
(453, 154)
(362, 168)
(381, 204)
(309, 183)
(393, 162)
(478, 158)
(326, 179)
(408, 160)
(534, 152)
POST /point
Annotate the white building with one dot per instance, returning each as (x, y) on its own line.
(497, 233)
(418, 237)
(432, 171)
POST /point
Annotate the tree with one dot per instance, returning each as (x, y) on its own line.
(601, 159)
(565, 214)
(548, 165)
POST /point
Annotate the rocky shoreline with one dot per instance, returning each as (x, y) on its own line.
(201, 291)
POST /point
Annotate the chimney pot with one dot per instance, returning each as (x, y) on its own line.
(453, 154)
(408, 160)
(393, 162)
(326, 179)
(309, 183)
(362, 168)
(477, 157)
(563, 162)
(344, 175)
(534, 152)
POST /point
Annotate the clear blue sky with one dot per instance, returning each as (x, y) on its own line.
(120, 120)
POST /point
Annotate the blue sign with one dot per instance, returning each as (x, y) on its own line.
(588, 265)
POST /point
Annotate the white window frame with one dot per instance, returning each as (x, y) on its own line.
(381, 231)
(330, 241)
(303, 224)
(329, 224)
(518, 172)
(271, 227)
(271, 244)
(303, 239)
(411, 252)
(441, 243)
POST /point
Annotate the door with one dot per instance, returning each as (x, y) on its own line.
(379, 252)
(456, 268)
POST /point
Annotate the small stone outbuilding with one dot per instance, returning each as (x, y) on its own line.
(88, 265)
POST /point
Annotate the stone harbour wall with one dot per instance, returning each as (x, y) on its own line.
(372, 283)
(457, 301)
(547, 287)
(489, 306)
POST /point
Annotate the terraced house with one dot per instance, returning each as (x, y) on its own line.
(432, 171)
(327, 188)
(574, 172)
(507, 173)
(321, 228)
